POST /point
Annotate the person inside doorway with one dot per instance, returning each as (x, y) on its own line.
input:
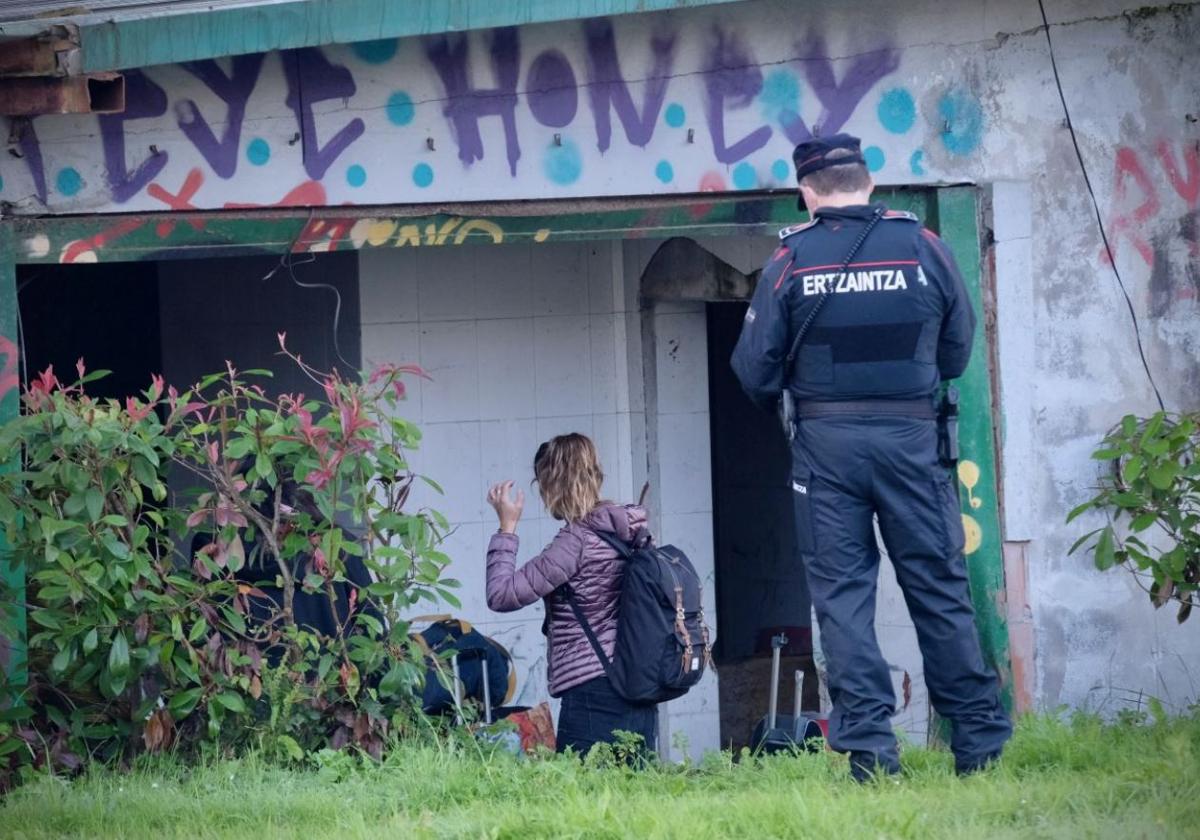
(569, 477)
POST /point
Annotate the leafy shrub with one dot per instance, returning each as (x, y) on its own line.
(137, 644)
(1151, 496)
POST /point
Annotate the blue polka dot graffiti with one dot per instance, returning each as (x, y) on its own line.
(400, 108)
(917, 162)
(69, 181)
(962, 117)
(897, 111)
(744, 176)
(356, 176)
(874, 157)
(780, 95)
(675, 115)
(665, 172)
(781, 170)
(562, 163)
(376, 52)
(258, 152)
(422, 175)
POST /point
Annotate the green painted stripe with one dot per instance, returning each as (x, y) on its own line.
(121, 40)
(957, 224)
(53, 239)
(12, 569)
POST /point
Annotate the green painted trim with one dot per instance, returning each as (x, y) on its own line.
(12, 568)
(958, 225)
(121, 40)
(53, 239)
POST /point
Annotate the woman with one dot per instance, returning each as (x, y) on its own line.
(568, 476)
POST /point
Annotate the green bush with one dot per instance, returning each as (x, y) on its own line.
(1151, 497)
(136, 645)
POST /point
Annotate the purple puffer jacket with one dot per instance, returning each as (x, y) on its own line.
(594, 571)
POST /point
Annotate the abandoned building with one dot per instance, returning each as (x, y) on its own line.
(559, 210)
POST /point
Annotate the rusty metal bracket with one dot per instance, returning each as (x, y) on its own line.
(54, 52)
(99, 93)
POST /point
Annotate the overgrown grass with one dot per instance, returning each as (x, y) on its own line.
(1058, 779)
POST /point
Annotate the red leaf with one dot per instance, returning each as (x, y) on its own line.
(79, 368)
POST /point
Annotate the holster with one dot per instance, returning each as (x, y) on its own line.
(947, 424)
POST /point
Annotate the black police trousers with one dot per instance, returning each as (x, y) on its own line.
(846, 471)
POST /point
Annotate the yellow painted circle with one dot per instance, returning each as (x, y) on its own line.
(968, 474)
(973, 533)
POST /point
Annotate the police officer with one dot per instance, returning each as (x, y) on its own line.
(879, 336)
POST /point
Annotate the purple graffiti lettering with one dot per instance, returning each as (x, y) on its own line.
(551, 90)
(465, 105)
(143, 98)
(608, 89)
(31, 151)
(311, 78)
(838, 99)
(731, 78)
(234, 90)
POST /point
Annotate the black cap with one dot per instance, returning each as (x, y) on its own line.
(811, 156)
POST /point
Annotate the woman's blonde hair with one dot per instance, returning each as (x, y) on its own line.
(568, 474)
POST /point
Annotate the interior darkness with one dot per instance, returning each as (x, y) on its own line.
(108, 314)
(185, 318)
(759, 577)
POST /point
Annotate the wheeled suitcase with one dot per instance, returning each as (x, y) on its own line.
(776, 732)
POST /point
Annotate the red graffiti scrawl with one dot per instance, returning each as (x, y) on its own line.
(8, 374)
(84, 250)
(1130, 224)
(181, 201)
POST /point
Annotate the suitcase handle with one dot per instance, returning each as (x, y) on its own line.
(796, 713)
(777, 644)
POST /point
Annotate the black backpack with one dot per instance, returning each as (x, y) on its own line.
(448, 635)
(663, 646)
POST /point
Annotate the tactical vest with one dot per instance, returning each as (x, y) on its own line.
(877, 334)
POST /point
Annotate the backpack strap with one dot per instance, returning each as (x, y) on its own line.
(624, 551)
(605, 662)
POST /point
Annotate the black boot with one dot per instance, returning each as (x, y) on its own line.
(865, 766)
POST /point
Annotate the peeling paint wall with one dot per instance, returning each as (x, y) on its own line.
(713, 100)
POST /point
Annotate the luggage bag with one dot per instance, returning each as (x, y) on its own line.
(779, 733)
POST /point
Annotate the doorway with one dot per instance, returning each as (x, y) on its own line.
(761, 590)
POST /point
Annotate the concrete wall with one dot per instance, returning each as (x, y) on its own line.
(527, 341)
(522, 343)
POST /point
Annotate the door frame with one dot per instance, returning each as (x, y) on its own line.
(954, 212)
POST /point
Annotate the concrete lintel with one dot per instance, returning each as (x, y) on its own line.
(116, 40)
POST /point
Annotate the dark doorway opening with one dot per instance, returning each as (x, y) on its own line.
(106, 314)
(760, 583)
(185, 318)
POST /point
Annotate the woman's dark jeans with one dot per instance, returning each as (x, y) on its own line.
(592, 711)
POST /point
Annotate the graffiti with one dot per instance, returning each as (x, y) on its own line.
(968, 477)
(838, 99)
(9, 375)
(466, 105)
(143, 99)
(312, 79)
(610, 106)
(31, 150)
(731, 75)
(179, 201)
(609, 90)
(1167, 241)
(234, 90)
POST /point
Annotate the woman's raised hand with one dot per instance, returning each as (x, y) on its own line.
(508, 509)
